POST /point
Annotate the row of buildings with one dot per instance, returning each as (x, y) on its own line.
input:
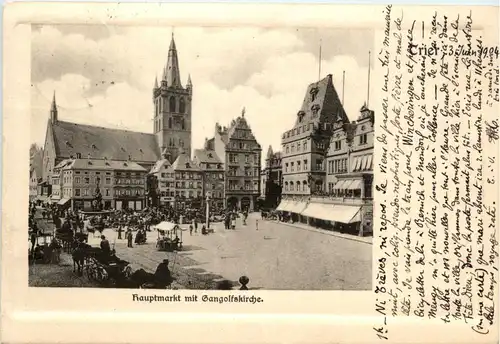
(134, 169)
(322, 176)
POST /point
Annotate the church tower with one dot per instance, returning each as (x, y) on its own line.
(53, 110)
(172, 108)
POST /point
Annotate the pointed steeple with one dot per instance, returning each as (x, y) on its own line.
(53, 109)
(156, 82)
(189, 83)
(172, 71)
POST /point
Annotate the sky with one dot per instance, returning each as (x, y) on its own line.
(104, 75)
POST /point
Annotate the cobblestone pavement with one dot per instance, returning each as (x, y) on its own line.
(276, 256)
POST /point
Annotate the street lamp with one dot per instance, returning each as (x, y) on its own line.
(208, 195)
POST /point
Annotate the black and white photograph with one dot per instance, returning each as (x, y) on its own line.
(208, 158)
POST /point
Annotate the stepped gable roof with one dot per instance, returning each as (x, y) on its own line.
(184, 163)
(321, 99)
(101, 164)
(159, 165)
(99, 142)
(207, 156)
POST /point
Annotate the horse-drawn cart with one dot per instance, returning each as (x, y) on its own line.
(102, 267)
(169, 236)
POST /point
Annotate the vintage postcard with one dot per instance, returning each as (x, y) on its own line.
(319, 173)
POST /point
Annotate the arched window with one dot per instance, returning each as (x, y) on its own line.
(304, 186)
(182, 106)
(172, 104)
(170, 122)
(181, 143)
(182, 124)
(286, 186)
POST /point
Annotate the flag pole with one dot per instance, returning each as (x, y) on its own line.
(368, 92)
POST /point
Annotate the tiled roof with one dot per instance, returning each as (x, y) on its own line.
(326, 102)
(159, 165)
(98, 164)
(184, 163)
(100, 143)
(207, 156)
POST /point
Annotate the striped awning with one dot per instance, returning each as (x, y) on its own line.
(362, 163)
(333, 212)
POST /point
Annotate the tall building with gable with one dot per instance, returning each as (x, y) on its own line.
(305, 145)
(240, 154)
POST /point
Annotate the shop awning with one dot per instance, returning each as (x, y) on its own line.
(316, 210)
(339, 185)
(297, 207)
(283, 206)
(333, 212)
(355, 185)
(63, 201)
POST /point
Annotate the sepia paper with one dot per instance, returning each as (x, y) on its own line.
(430, 77)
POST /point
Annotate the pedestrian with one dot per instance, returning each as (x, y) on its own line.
(195, 225)
(257, 224)
(129, 238)
(190, 229)
(120, 231)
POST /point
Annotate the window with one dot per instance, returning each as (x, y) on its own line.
(183, 124)
(305, 145)
(181, 143)
(107, 192)
(292, 168)
(363, 139)
(85, 192)
(286, 186)
(338, 145)
(182, 106)
(286, 167)
(247, 158)
(170, 122)
(171, 104)
(298, 186)
(298, 165)
(287, 149)
(87, 180)
(293, 148)
(78, 155)
(298, 146)
(319, 164)
(77, 192)
(304, 186)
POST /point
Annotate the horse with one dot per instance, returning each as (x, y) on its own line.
(79, 253)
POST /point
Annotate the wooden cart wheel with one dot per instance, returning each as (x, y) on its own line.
(127, 272)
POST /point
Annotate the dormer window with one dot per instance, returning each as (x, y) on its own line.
(68, 144)
(187, 165)
(210, 155)
(94, 147)
(125, 164)
(106, 163)
(140, 150)
(301, 115)
(315, 109)
(314, 92)
(89, 162)
(123, 149)
(78, 155)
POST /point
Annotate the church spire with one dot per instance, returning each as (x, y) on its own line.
(172, 71)
(53, 109)
(156, 82)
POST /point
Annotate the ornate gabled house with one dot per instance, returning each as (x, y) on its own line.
(240, 153)
(304, 147)
(164, 178)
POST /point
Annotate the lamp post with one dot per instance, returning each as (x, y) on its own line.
(207, 206)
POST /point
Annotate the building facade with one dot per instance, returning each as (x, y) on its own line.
(338, 189)
(165, 177)
(34, 180)
(213, 175)
(305, 145)
(271, 179)
(76, 182)
(240, 153)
